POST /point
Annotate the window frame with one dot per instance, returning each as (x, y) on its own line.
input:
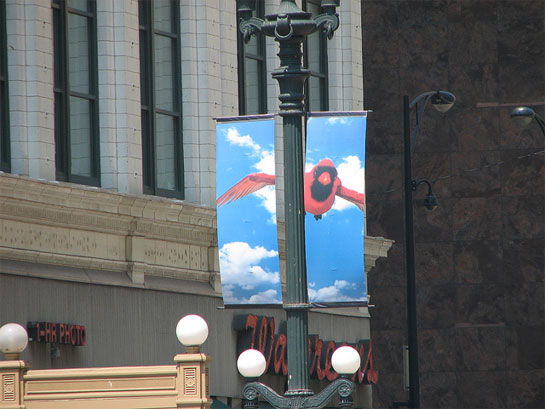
(63, 93)
(323, 74)
(5, 161)
(148, 108)
(260, 58)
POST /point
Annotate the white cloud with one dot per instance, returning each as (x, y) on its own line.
(268, 200)
(333, 293)
(266, 162)
(235, 138)
(338, 120)
(240, 269)
(267, 194)
(239, 265)
(352, 175)
(265, 297)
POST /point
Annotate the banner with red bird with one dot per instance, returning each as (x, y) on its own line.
(247, 230)
(334, 204)
(334, 192)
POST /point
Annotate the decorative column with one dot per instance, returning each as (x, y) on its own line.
(11, 378)
(192, 381)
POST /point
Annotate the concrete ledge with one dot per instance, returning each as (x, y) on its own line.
(63, 224)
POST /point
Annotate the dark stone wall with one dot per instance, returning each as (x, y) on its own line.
(480, 254)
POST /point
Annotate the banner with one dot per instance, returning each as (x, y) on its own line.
(334, 205)
(246, 200)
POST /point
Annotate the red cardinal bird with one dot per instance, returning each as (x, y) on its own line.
(321, 186)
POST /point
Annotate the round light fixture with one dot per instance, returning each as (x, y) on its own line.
(192, 330)
(523, 116)
(345, 360)
(442, 100)
(13, 340)
(251, 363)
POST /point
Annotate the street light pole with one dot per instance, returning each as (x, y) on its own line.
(289, 26)
(442, 101)
(414, 383)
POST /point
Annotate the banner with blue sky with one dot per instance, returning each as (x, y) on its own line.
(334, 205)
(246, 217)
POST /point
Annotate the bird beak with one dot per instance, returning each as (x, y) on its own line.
(324, 179)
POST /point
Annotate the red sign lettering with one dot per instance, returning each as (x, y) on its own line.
(64, 334)
(259, 333)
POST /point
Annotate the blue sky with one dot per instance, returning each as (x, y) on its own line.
(334, 244)
(247, 236)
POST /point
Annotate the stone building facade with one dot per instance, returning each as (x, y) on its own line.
(86, 242)
(480, 254)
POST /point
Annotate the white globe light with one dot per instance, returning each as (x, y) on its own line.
(251, 363)
(13, 338)
(192, 330)
(345, 360)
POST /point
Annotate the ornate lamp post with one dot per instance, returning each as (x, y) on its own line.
(442, 101)
(345, 361)
(289, 26)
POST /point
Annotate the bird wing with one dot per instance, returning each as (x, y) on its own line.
(352, 196)
(249, 184)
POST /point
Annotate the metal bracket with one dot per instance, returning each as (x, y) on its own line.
(327, 23)
(415, 184)
(283, 24)
(297, 306)
(343, 386)
(249, 27)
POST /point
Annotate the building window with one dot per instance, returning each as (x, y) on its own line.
(252, 71)
(160, 87)
(315, 59)
(76, 91)
(4, 110)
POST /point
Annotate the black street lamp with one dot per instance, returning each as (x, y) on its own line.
(523, 116)
(442, 101)
(289, 26)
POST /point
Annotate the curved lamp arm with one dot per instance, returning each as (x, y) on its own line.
(415, 184)
(341, 385)
(249, 27)
(441, 100)
(541, 123)
(328, 22)
(426, 96)
(430, 201)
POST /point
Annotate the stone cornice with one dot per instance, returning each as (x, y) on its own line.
(64, 204)
(63, 224)
(375, 247)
